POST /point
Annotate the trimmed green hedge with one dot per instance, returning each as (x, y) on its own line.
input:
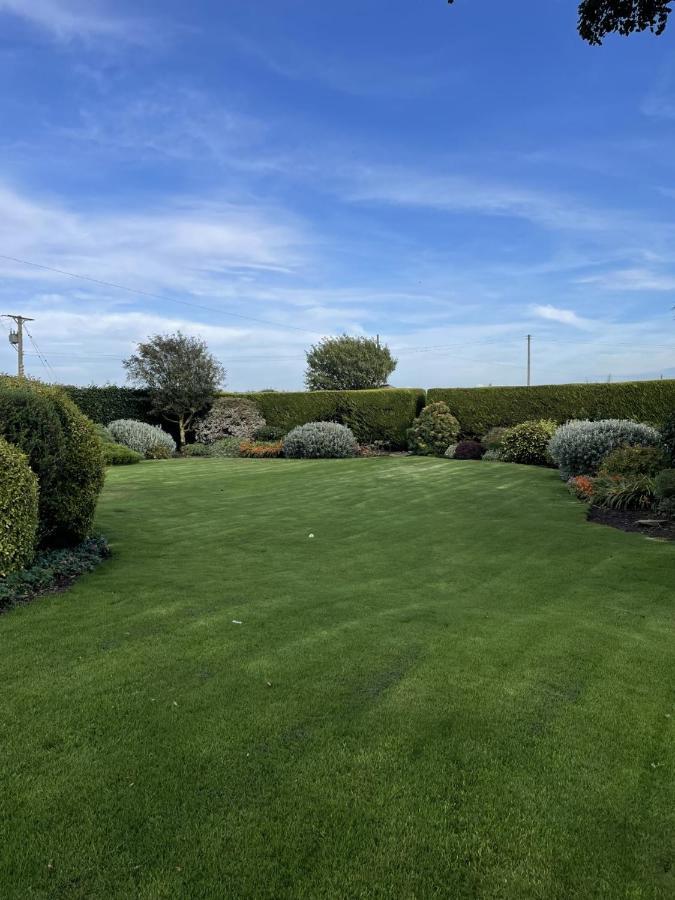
(64, 452)
(479, 409)
(18, 509)
(110, 402)
(384, 414)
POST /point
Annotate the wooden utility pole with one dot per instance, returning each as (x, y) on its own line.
(529, 359)
(16, 339)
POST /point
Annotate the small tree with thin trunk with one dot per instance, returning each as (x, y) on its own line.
(180, 375)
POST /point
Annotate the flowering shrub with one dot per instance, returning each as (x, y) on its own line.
(229, 417)
(469, 450)
(433, 430)
(528, 443)
(140, 436)
(581, 486)
(260, 449)
(579, 447)
(320, 440)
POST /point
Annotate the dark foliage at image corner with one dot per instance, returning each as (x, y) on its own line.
(52, 570)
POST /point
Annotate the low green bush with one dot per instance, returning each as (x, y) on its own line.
(64, 452)
(119, 455)
(527, 443)
(320, 440)
(225, 447)
(664, 484)
(492, 456)
(52, 570)
(479, 409)
(578, 448)
(195, 450)
(433, 431)
(158, 451)
(18, 509)
(634, 461)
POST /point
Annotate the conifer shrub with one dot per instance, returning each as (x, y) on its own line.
(433, 431)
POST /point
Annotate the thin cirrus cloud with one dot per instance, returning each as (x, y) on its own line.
(633, 279)
(68, 19)
(186, 244)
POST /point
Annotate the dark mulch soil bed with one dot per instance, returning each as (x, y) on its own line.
(628, 519)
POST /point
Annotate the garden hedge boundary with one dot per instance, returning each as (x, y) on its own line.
(479, 409)
(110, 402)
(383, 414)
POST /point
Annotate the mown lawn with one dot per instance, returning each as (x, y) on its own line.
(458, 688)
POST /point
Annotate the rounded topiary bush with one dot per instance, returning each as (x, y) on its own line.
(64, 452)
(527, 443)
(18, 509)
(433, 430)
(143, 438)
(229, 417)
(320, 440)
(579, 447)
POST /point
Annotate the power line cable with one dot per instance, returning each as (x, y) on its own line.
(164, 299)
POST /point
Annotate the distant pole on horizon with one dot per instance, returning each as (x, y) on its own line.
(529, 359)
(16, 339)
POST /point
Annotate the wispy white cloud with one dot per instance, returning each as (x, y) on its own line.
(634, 279)
(184, 244)
(67, 19)
(467, 193)
(564, 316)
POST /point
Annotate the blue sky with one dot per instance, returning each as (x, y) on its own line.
(451, 178)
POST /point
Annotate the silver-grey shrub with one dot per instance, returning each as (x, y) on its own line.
(492, 456)
(140, 436)
(579, 446)
(325, 440)
(229, 417)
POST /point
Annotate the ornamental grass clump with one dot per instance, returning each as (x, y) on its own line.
(143, 438)
(527, 443)
(320, 440)
(579, 447)
(433, 430)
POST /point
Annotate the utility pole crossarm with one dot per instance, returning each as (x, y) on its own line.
(16, 338)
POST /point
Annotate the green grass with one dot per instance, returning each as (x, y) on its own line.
(458, 688)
